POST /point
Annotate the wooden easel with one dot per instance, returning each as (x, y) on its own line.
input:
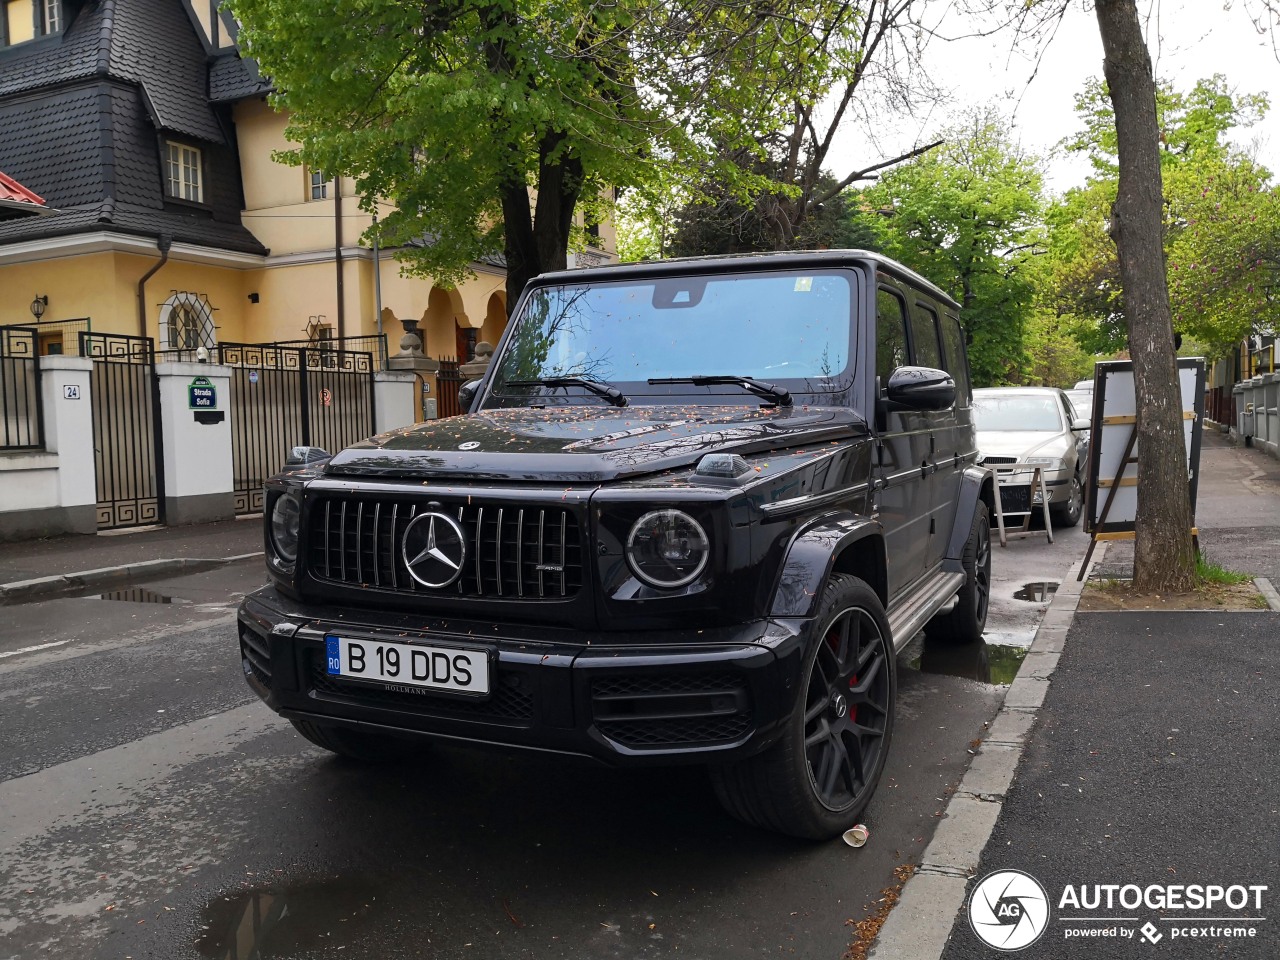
(1037, 482)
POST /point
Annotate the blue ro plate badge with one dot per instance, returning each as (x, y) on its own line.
(409, 664)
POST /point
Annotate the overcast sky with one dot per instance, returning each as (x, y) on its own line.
(1188, 39)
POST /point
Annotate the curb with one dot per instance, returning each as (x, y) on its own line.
(1268, 590)
(43, 588)
(921, 922)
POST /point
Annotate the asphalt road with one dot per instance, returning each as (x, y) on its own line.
(151, 807)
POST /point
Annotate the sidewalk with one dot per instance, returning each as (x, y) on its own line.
(1153, 760)
(33, 569)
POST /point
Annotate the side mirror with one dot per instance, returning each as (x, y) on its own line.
(467, 395)
(920, 388)
(301, 456)
(1080, 423)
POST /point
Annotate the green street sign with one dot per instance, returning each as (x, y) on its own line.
(201, 394)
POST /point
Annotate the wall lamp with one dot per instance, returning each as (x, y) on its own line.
(38, 305)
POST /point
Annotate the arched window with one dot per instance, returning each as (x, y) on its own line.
(186, 322)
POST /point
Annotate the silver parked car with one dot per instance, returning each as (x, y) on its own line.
(1035, 426)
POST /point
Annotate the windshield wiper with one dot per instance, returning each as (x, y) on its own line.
(770, 391)
(604, 390)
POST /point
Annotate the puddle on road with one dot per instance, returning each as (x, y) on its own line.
(985, 662)
(136, 595)
(1038, 592)
(286, 921)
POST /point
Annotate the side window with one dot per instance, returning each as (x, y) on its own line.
(956, 363)
(891, 333)
(924, 337)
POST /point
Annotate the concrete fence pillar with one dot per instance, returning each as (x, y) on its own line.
(395, 393)
(52, 491)
(1270, 398)
(195, 403)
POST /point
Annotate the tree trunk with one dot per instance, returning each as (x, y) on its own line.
(1164, 559)
(538, 241)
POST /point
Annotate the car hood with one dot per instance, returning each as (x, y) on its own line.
(1022, 443)
(586, 443)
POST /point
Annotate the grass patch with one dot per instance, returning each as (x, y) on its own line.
(1208, 572)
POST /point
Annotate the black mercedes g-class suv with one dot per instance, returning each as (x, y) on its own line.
(695, 509)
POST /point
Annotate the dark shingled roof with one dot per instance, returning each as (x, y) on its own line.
(235, 78)
(83, 116)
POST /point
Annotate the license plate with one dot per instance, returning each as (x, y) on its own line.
(410, 664)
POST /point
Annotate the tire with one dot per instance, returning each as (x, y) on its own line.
(968, 618)
(353, 744)
(816, 781)
(1069, 515)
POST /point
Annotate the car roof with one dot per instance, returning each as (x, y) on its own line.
(737, 261)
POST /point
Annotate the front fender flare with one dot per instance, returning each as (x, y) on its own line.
(810, 557)
(976, 483)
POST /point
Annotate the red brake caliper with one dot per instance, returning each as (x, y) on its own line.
(834, 643)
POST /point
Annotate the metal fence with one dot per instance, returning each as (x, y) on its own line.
(283, 396)
(448, 380)
(375, 344)
(21, 412)
(126, 429)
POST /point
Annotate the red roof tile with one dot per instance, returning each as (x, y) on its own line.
(12, 190)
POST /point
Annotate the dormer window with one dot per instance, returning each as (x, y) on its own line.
(183, 180)
(51, 15)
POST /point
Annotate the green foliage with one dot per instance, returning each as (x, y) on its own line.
(717, 222)
(968, 217)
(1222, 223)
(1057, 358)
(461, 112)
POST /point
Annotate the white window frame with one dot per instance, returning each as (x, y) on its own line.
(184, 175)
(317, 185)
(51, 14)
(186, 322)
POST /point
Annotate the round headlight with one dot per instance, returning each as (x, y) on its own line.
(667, 548)
(286, 516)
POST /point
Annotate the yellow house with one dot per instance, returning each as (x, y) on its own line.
(151, 142)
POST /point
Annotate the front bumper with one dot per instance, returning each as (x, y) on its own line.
(627, 698)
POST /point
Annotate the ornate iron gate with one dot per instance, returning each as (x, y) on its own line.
(21, 414)
(126, 429)
(448, 380)
(282, 396)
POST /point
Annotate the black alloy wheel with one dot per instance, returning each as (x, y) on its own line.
(846, 714)
(965, 621)
(818, 778)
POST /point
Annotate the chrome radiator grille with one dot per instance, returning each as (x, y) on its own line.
(520, 552)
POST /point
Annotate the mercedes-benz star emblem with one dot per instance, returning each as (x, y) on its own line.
(434, 549)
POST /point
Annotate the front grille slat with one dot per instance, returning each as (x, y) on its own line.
(511, 560)
(377, 549)
(562, 560)
(497, 552)
(520, 553)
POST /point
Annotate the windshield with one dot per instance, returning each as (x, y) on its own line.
(1017, 412)
(783, 328)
